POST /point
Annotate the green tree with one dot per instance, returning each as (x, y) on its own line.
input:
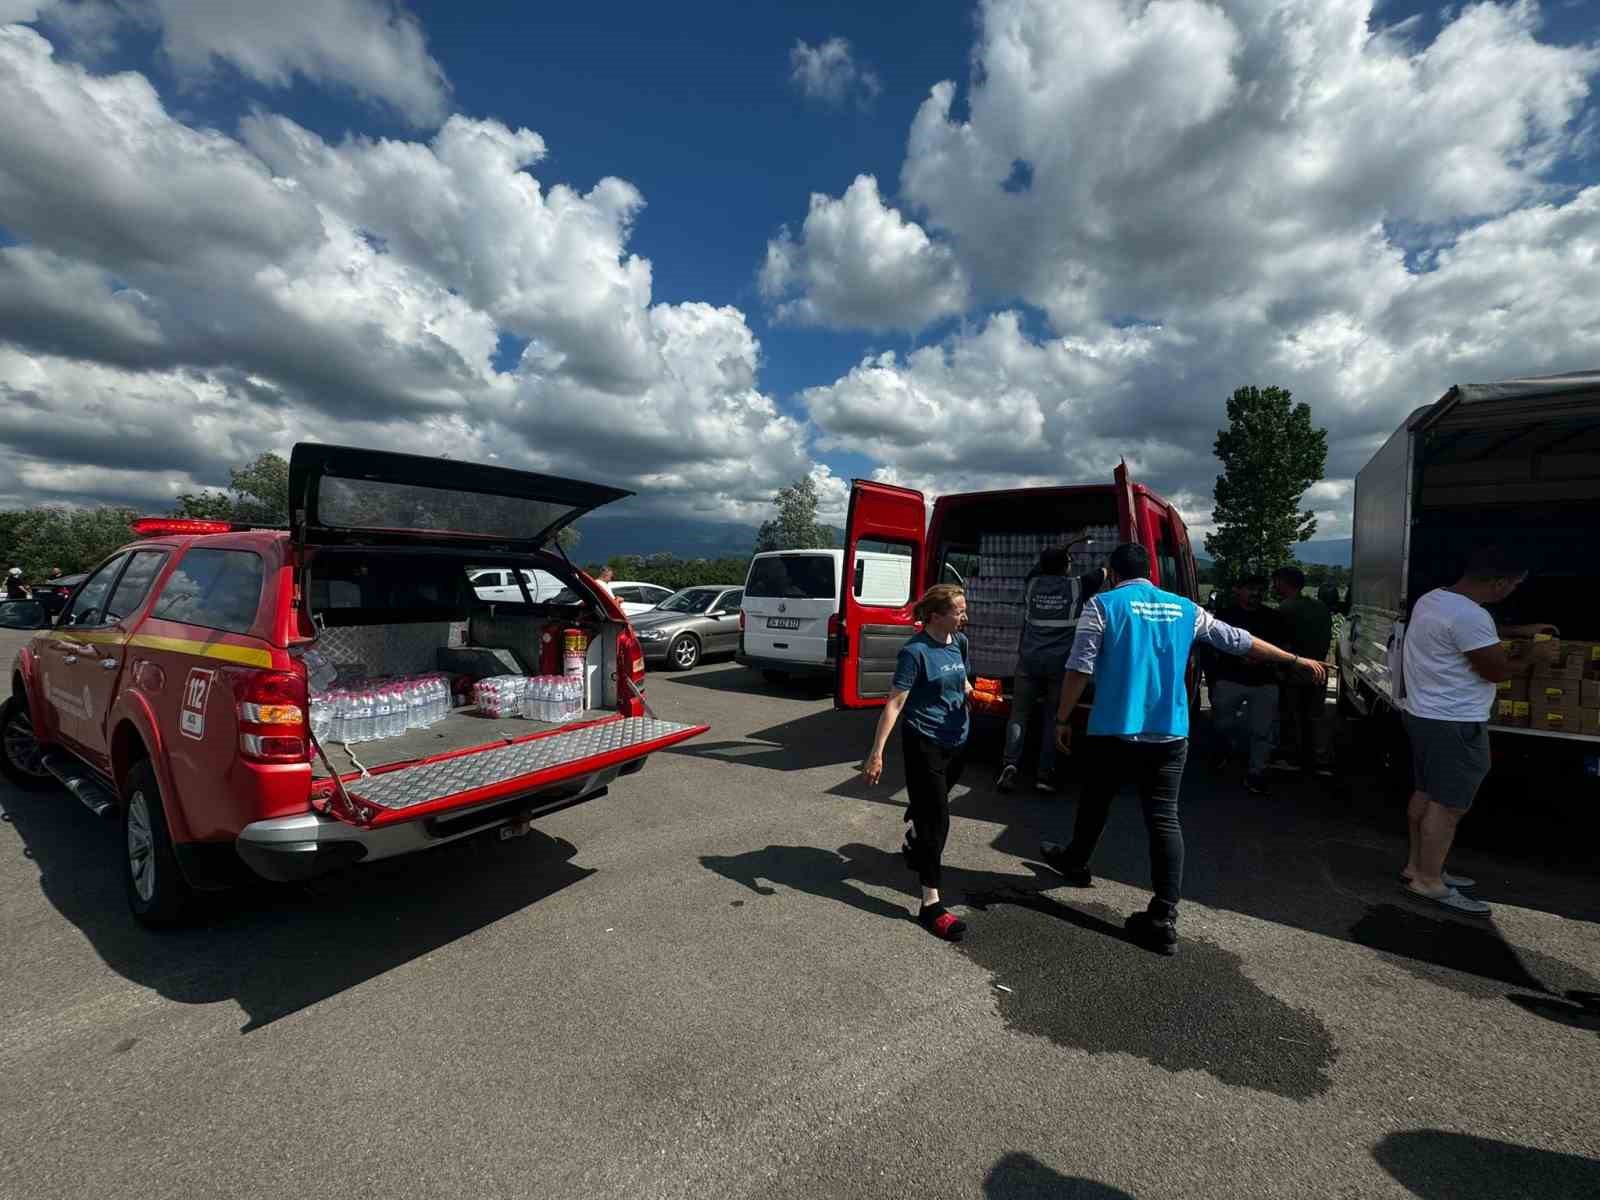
(74, 539)
(569, 538)
(1270, 455)
(795, 526)
(258, 493)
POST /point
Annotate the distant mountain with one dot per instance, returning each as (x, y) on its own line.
(607, 537)
(1329, 552)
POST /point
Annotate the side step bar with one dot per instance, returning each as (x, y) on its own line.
(81, 782)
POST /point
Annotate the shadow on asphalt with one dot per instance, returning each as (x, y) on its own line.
(1023, 1177)
(833, 875)
(277, 949)
(1436, 1165)
(1318, 855)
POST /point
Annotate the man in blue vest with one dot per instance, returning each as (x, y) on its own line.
(1134, 641)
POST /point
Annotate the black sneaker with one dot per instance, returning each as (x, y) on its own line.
(1322, 770)
(1045, 781)
(1280, 763)
(1256, 785)
(1055, 856)
(1159, 936)
(1007, 780)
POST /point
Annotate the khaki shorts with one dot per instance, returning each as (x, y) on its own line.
(1449, 759)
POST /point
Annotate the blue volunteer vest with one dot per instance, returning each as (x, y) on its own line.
(1138, 676)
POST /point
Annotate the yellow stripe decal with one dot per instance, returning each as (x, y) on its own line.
(247, 655)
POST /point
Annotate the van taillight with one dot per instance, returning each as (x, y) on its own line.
(833, 626)
(272, 715)
(630, 654)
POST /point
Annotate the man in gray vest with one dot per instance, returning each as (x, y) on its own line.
(1051, 606)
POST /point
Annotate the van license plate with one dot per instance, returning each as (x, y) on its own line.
(783, 622)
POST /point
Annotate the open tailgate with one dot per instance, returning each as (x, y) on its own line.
(465, 779)
(339, 495)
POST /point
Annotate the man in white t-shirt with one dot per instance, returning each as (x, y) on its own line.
(1451, 660)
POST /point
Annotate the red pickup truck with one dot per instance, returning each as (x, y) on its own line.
(177, 690)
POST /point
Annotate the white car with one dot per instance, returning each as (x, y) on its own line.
(636, 598)
(500, 586)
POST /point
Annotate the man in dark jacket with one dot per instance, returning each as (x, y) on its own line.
(1244, 695)
(1308, 626)
(1052, 604)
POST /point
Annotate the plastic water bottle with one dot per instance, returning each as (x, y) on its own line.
(574, 699)
(382, 712)
(358, 717)
(441, 697)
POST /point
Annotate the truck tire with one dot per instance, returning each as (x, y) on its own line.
(21, 756)
(684, 653)
(158, 894)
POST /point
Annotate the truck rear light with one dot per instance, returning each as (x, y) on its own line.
(833, 626)
(630, 655)
(272, 746)
(271, 706)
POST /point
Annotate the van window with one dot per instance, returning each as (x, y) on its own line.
(793, 577)
(882, 573)
(216, 589)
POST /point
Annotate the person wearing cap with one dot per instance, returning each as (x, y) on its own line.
(14, 587)
(1052, 603)
(1133, 642)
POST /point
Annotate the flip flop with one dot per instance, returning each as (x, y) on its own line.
(1451, 881)
(1453, 900)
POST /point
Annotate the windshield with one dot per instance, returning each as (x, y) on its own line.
(690, 600)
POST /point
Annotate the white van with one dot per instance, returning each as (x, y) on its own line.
(790, 613)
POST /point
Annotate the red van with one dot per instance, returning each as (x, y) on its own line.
(176, 691)
(944, 549)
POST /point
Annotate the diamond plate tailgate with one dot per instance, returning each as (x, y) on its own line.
(543, 760)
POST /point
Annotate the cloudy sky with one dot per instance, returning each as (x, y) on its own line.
(705, 249)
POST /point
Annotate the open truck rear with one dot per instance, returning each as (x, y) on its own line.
(1514, 463)
(987, 542)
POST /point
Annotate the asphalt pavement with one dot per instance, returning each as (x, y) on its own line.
(708, 983)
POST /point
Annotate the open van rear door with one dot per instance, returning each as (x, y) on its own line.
(871, 632)
(1127, 523)
(339, 495)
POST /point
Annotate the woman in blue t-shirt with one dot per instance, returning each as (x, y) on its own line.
(932, 689)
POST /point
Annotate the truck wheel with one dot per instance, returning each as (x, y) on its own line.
(21, 756)
(157, 892)
(684, 653)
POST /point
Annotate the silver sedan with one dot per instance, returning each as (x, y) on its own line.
(690, 624)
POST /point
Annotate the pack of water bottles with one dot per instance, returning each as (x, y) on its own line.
(552, 698)
(374, 709)
(996, 598)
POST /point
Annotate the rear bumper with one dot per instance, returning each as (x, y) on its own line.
(292, 849)
(789, 666)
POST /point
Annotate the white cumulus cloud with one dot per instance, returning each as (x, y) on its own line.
(859, 263)
(183, 299)
(1270, 191)
(830, 73)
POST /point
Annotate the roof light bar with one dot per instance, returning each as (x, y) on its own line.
(159, 526)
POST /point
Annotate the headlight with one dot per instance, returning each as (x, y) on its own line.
(652, 635)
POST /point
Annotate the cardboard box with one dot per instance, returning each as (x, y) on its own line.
(1514, 713)
(1568, 666)
(1590, 722)
(1553, 691)
(1557, 720)
(1517, 689)
(1590, 695)
(1520, 652)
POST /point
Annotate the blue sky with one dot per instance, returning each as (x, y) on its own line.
(1037, 333)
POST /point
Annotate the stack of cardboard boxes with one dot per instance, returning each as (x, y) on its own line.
(1558, 690)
